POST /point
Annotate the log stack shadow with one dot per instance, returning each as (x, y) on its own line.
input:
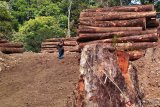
(50, 45)
(129, 28)
(9, 47)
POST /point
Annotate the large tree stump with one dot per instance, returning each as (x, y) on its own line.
(107, 79)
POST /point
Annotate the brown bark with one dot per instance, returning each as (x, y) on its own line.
(133, 8)
(11, 50)
(136, 38)
(152, 23)
(90, 29)
(141, 22)
(84, 37)
(137, 54)
(125, 46)
(3, 41)
(57, 39)
(100, 16)
(66, 43)
(15, 45)
(107, 79)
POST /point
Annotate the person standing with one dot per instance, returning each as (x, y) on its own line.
(60, 49)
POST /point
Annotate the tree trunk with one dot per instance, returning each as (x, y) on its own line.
(141, 22)
(64, 39)
(133, 8)
(66, 43)
(100, 16)
(125, 46)
(69, 15)
(90, 29)
(15, 45)
(137, 54)
(11, 50)
(84, 37)
(136, 38)
(107, 79)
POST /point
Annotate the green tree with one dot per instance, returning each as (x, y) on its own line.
(34, 31)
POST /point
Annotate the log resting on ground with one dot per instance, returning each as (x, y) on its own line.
(136, 54)
(140, 22)
(125, 46)
(3, 41)
(64, 39)
(107, 79)
(100, 16)
(15, 45)
(135, 38)
(84, 37)
(11, 50)
(90, 29)
(133, 8)
(66, 43)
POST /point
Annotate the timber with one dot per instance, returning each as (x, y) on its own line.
(84, 37)
(11, 50)
(107, 79)
(133, 8)
(136, 38)
(64, 39)
(3, 41)
(16, 45)
(141, 22)
(98, 16)
(136, 54)
(125, 46)
(66, 43)
(90, 29)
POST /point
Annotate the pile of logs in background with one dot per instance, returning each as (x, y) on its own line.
(129, 28)
(50, 45)
(8, 47)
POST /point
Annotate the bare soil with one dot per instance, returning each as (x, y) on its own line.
(42, 80)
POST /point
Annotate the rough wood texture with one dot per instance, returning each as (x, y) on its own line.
(136, 38)
(125, 46)
(141, 22)
(57, 39)
(3, 41)
(66, 43)
(15, 45)
(90, 29)
(100, 16)
(11, 50)
(105, 81)
(84, 37)
(133, 8)
(136, 54)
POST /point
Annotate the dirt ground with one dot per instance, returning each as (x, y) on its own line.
(37, 80)
(41, 80)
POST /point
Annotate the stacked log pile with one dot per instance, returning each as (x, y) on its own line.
(129, 28)
(50, 45)
(8, 47)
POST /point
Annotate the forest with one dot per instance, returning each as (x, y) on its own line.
(33, 21)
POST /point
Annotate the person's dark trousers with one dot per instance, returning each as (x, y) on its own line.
(61, 53)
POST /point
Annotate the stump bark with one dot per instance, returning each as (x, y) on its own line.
(107, 79)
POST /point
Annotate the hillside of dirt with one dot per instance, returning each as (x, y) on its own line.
(42, 80)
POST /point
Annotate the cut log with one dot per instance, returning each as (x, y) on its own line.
(135, 55)
(64, 39)
(11, 50)
(15, 45)
(125, 46)
(133, 8)
(141, 22)
(84, 37)
(89, 29)
(66, 43)
(136, 38)
(100, 16)
(107, 79)
(47, 51)
(152, 23)
(3, 41)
